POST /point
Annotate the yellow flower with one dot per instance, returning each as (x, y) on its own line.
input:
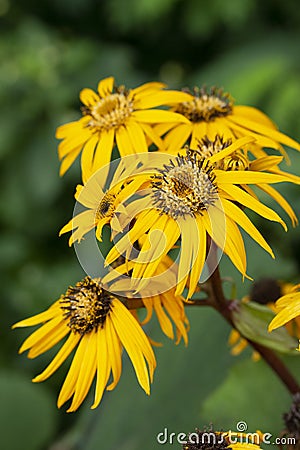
(189, 198)
(103, 200)
(99, 325)
(211, 112)
(115, 115)
(159, 297)
(287, 308)
(239, 160)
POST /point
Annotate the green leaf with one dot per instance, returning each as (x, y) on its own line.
(252, 320)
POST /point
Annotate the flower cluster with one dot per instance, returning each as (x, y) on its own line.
(191, 165)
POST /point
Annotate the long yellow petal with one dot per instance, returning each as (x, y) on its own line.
(266, 131)
(145, 89)
(103, 365)
(135, 341)
(144, 221)
(44, 316)
(199, 260)
(137, 137)
(231, 148)
(265, 163)
(68, 161)
(124, 143)
(189, 242)
(87, 370)
(247, 177)
(49, 341)
(103, 150)
(251, 203)
(281, 201)
(114, 350)
(162, 98)
(59, 358)
(158, 115)
(69, 384)
(87, 156)
(40, 333)
(236, 214)
(177, 137)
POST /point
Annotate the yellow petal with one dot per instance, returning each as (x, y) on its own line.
(68, 161)
(69, 384)
(177, 137)
(250, 202)
(137, 137)
(266, 131)
(158, 115)
(236, 214)
(124, 143)
(281, 201)
(247, 177)
(87, 370)
(199, 260)
(44, 316)
(49, 341)
(88, 97)
(231, 148)
(103, 365)
(162, 98)
(114, 350)
(105, 86)
(59, 358)
(40, 333)
(265, 163)
(103, 150)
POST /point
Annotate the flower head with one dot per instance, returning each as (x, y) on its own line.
(191, 199)
(115, 115)
(211, 112)
(99, 325)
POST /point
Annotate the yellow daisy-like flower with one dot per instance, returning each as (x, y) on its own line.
(191, 199)
(99, 325)
(158, 297)
(240, 160)
(211, 112)
(103, 199)
(116, 115)
(287, 308)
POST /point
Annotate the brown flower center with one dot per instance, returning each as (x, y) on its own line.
(206, 105)
(86, 306)
(238, 160)
(185, 187)
(106, 207)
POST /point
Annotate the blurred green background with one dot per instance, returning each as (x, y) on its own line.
(49, 51)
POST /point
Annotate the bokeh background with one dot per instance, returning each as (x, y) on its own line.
(49, 51)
